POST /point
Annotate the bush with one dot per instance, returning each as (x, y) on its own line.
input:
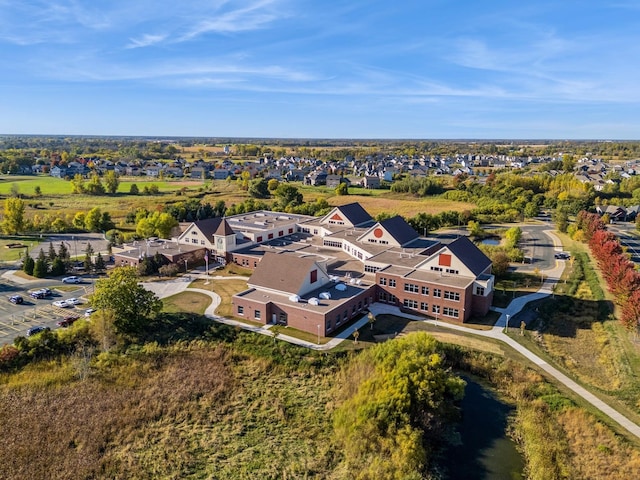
(170, 270)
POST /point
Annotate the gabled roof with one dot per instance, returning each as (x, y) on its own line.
(467, 252)
(283, 272)
(355, 213)
(399, 229)
(224, 229)
(209, 226)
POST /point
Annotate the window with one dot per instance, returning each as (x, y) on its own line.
(437, 292)
(291, 230)
(270, 236)
(280, 233)
(257, 314)
(314, 276)
(371, 268)
(450, 312)
(410, 287)
(392, 283)
(410, 303)
(383, 281)
(201, 242)
(425, 290)
(452, 271)
(436, 269)
(452, 295)
(240, 310)
(259, 239)
(479, 290)
(435, 308)
(424, 306)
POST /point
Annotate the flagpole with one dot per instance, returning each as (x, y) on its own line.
(206, 261)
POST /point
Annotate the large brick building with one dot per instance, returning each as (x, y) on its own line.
(333, 267)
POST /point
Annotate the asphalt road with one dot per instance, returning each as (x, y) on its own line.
(628, 236)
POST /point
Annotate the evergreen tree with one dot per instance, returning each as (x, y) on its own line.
(88, 263)
(28, 265)
(52, 255)
(57, 267)
(99, 265)
(40, 267)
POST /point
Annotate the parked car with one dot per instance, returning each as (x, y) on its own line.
(89, 311)
(71, 279)
(562, 255)
(33, 330)
(42, 293)
(72, 301)
(17, 299)
(61, 304)
(67, 321)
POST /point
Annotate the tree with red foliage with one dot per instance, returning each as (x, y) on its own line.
(631, 311)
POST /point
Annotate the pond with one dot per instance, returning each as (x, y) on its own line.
(490, 241)
(485, 451)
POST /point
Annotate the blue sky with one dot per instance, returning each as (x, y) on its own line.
(321, 69)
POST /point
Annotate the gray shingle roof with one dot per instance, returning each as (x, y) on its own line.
(355, 213)
(399, 229)
(282, 272)
(465, 250)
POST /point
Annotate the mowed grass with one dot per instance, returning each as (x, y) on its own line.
(601, 355)
(226, 289)
(188, 302)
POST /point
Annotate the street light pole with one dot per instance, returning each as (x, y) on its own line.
(318, 334)
(506, 325)
(185, 265)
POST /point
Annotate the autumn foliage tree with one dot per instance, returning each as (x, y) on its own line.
(623, 280)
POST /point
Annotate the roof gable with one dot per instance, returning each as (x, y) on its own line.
(393, 231)
(465, 252)
(352, 215)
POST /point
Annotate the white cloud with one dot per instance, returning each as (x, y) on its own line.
(146, 40)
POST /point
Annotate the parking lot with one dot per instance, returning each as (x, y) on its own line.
(15, 320)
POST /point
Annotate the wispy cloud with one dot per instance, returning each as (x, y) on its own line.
(146, 40)
(250, 17)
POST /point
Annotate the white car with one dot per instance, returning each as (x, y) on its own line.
(72, 301)
(89, 311)
(72, 279)
(61, 304)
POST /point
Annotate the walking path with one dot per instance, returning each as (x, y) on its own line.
(551, 277)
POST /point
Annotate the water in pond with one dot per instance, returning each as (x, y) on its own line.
(486, 452)
(490, 241)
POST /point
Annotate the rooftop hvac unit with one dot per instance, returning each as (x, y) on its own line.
(325, 295)
(314, 301)
(341, 287)
(294, 298)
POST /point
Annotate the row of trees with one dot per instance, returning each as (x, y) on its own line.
(95, 186)
(623, 280)
(56, 263)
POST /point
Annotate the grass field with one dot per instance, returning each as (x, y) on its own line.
(188, 302)
(225, 288)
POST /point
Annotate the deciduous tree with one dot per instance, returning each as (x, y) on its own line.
(14, 220)
(131, 304)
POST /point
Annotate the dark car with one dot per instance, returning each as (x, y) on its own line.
(66, 321)
(17, 299)
(33, 330)
(562, 255)
(42, 293)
